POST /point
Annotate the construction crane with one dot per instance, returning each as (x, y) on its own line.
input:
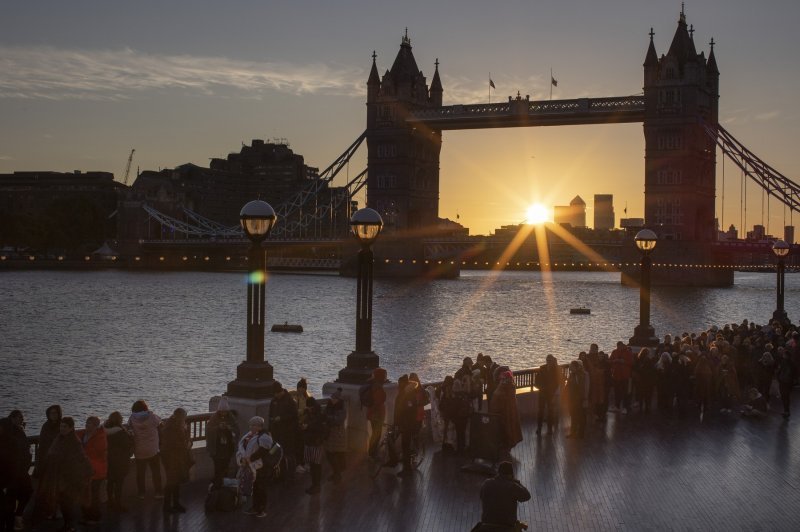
(128, 167)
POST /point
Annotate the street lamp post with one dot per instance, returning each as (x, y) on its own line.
(366, 225)
(781, 249)
(254, 375)
(644, 335)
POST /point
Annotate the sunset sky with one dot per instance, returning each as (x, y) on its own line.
(83, 82)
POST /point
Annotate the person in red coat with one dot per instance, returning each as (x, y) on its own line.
(621, 361)
(95, 447)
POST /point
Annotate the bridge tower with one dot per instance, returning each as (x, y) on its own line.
(403, 158)
(681, 88)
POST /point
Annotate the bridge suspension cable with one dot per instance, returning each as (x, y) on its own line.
(772, 182)
(291, 214)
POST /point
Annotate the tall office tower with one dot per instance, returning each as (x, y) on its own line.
(604, 211)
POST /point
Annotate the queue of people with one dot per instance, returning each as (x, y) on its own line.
(735, 367)
(72, 466)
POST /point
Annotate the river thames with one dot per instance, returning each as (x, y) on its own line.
(96, 341)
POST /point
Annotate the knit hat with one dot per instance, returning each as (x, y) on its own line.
(379, 375)
(223, 404)
(256, 420)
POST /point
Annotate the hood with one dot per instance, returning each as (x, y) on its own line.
(51, 408)
(139, 417)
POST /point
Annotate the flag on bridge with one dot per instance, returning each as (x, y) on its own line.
(491, 83)
(553, 80)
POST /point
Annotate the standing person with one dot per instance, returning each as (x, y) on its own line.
(504, 404)
(314, 438)
(461, 410)
(446, 404)
(647, 379)
(336, 442)
(727, 384)
(500, 496)
(578, 395)
(47, 435)
(665, 389)
(785, 374)
(405, 419)
(621, 365)
(283, 422)
(549, 379)
(703, 381)
(301, 398)
(253, 448)
(144, 426)
(422, 401)
(120, 448)
(376, 410)
(66, 473)
(176, 454)
(15, 460)
(95, 446)
(765, 371)
(490, 367)
(222, 435)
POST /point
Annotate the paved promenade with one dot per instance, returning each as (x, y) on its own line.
(636, 472)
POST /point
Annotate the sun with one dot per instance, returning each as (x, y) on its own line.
(537, 214)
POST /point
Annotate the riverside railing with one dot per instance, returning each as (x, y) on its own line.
(523, 378)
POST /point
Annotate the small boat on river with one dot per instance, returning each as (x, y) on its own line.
(580, 310)
(287, 327)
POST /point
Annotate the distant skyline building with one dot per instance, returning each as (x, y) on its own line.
(604, 211)
(573, 214)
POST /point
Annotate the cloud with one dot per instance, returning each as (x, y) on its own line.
(55, 74)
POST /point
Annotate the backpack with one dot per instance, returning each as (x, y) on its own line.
(365, 396)
(224, 499)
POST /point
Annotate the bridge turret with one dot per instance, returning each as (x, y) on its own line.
(436, 86)
(680, 93)
(403, 160)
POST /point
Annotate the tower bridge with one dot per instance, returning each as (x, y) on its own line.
(678, 110)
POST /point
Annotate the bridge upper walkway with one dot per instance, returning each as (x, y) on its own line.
(521, 112)
(634, 472)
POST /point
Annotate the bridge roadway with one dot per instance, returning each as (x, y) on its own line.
(521, 112)
(636, 472)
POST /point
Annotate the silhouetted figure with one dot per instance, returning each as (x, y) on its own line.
(95, 446)
(222, 435)
(15, 482)
(177, 458)
(120, 448)
(144, 426)
(499, 499)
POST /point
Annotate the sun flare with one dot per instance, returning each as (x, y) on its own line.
(537, 214)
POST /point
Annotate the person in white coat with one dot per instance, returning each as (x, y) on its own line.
(256, 454)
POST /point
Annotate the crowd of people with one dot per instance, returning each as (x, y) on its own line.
(736, 367)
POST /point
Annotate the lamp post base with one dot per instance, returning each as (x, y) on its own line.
(359, 368)
(644, 336)
(253, 381)
(781, 316)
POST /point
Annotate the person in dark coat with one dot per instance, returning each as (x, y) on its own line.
(65, 474)
(504, 404)
(405, 418)
(222, 435)
(283, 423)
(314, 439)
(578, 396)
(15, 460)
(336, 441)
(548, 381)
(376, 412)
(461, 411)
(175, 449)
(47, 435)
(785, 374)
(645, 372)
(500, 496)
(120, 448)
